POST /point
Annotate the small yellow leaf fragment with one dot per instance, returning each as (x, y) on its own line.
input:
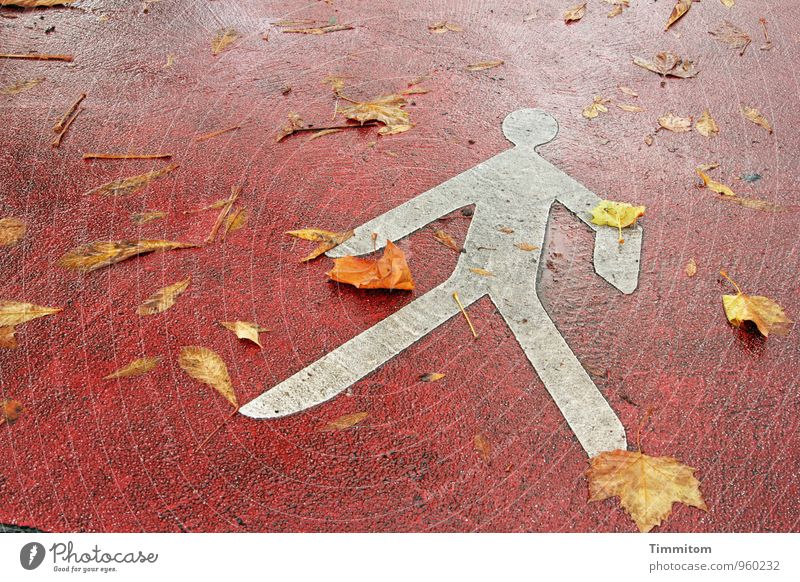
(618, 7)
(674, 123)
(387, 110)
(295, 122)
(446, 240)
(506, 230)
(482, 446)
(327, 239)
(646, 486)
(100, 254)
(431, 377)
(523, 246)
(483, 65)
(164, 298)
(125, 186)
(13, 313)
(11, 231)
(596, 107)
(575, 13)
(137, 367)
(714, 186)
(20, 86)
(208, 367)
(767, 315)
(442, 27)
(630, 108)
(223, 39)
(728, 3)
(235, 221)
(681, 8)
(147, 216)
(345, 421)
(481, 272)
(754, 115)
(245, 330)
(10, 411)
(617, 214)
(7, 339)
(691, 268)
(706, 125)
(628, 91)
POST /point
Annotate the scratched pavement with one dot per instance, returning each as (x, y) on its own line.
(122, 455)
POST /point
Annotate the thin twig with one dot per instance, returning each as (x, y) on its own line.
(95, 156)
(57, 140)
(216, 430)
(461, 307)
(60, 123)
(348, 126)
(219, 132)
(37, 57)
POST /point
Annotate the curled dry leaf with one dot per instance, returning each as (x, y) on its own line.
(13, 313)
(706, 125)
(754, 115)
(597, 107)
(387, 109)
(681, 8)
(137, 367)
(20, 86)
(731, 35)
(431, 377)
(208, 367)
(668, 64)
(616, 214)
(223, 39)
(446, 240)
(11, 231)
(10, 411)
(101, 254)
(674, 123)
(388, 272)
(482, 446)
(442, 27)
(767, 315)
(245, 330)
(714, 186)
(164, 298)
(345, 421)
(646, 486)
(327, 239)
(147, 216)
(691, 268)
(125, 186)
(575, 13)
(483, 65)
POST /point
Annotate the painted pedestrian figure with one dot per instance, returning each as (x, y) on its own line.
(514, 189)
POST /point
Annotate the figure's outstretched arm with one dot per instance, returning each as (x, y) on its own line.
(617, 263)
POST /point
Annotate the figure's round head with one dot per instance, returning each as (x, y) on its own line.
(530, 127)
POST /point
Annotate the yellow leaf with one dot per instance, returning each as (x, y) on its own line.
(431, 377)
(595, 108)
(235, 221)
(630, 108)
(617, 214)
(754, 115)
(482, 446)
(481, 272)
(336, 83)
(223, 40)
(101, 254)
(646, 486)
(728, 3)
(691, 268)
(7, 339)
(706, 126)
(11, 231)
(137, 367)
(446, 240)
(164, 298)
(575, 13)
(387, 109)
(681, 8)
(10, 411)
(523, 246)
(753, 203)
(13, 313)
(388, 272)
(767, 315)
(346, 421)
(245, 330)
(124, 186)
(327, 239)
(714, 186)
(442, 27)
(20, 86)
(206, 366)
(483, 65)
(675, 123)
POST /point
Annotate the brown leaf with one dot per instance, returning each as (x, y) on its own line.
(619, 6)
(11, 231)
(20, 86)
(223, 40)
(754, 115)
(147, 216)
(575, 13)
(668, 64)
(10, 411)
(388, 272)
(13, 313)
(101, 254)
(681, 8)
(206, 366)
(691, 268)
(482, 446)
(137, 367)
(734, 37)
(125, 186)
(319, 29)
(431, 377)
(675, 123)
(7, 339)
(327, 239)
(295, 122)
(164, 298)
(483, 65)
(324, 132)
(481, 272)
(387, 109)
(523, 246)
(216, 133)
(706, 125)
(345, 421)
(245, 330)
(446, 240)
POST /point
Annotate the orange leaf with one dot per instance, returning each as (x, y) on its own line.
(389, 272)
(681, 8)
(446, 240)
(482, 446)
(346, 421)
(10, 411)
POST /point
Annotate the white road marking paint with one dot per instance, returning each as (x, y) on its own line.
(513, 189)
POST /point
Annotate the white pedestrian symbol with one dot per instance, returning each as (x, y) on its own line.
(514, 189)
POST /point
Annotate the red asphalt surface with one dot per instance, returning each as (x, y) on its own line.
(121, 455)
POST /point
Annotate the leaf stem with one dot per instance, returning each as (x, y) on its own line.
(732, 282)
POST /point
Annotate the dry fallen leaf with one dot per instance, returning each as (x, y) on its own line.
(388, 272)
(523, 246)
(431, 377)
(104, 253)
(714, 186)
(753, 203)
(223, 40)
(10, 411)
(336, 83)
(20, 86)
(295, 122)
(481, 272)
(11, 231)
(13, 313)
(668, 64)
(691, 268)
(345, 421)
(327, 239)
(756, 117)
(35, 3)
(628, 91)
(596, 107)
(675, 123)
(7, 339)
(387, 109)
(245, 330)
(147, 216)
(681, 8)
(506, 230)
(442, 27)
(731, 35)
(124, 186)
(630, 108)
(483, 65)
(706, 125)
(235, 221)
(767, 315)
(646, 486)
(482, 446)
(575, 13)
(446, 240)
(617, 214)
(206, 366)
(728, 3)
(137, 367)
(618, 7)
(164, 298)
(319, 29)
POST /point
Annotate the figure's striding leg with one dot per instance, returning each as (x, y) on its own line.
(585, 409)
(341, 368)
